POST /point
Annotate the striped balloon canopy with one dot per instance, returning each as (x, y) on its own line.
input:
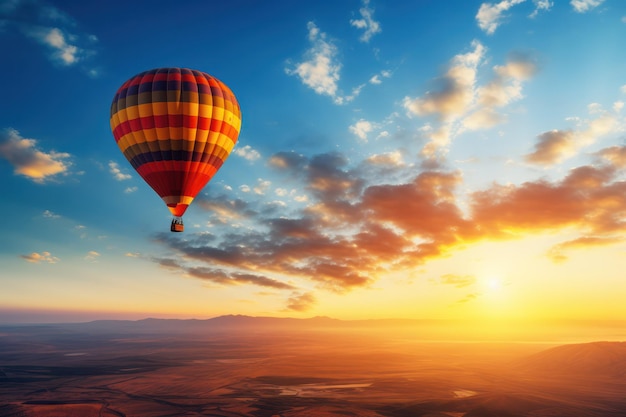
(176, 127)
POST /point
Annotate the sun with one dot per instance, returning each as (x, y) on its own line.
(494, 283)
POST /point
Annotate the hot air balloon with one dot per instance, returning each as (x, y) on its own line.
(176, 127)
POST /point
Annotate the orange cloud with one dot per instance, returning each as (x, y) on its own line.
(29, 161)
(556, 253)
(45, 257)
(354, 231)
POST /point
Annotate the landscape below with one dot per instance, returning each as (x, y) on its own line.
(244, 366)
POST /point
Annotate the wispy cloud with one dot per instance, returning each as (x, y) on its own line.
(459, 104)
(458, 281)
(558, 252)
(43, 257)
(490, 15)
(50, 215)
(52, 28)
(28, 160)
(541, 5)
(114, 169)
(582, 6)
(367, 23)
(376, 79)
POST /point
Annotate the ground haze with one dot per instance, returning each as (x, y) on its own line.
(242, 366)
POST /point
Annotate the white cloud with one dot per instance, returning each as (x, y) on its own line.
(29, 161)
(281, 192)
(541, 5)
(362, 128)
(367, 22)
(321, 70)
(245, 188)
(62, 52)
(623, 89)
(489, 15)
(50, 215)
(376, 78)
(49, 26)
(114, 169)
(262, 186)
(130, 190)
(45, 257)
(247, 153)
(582, 6)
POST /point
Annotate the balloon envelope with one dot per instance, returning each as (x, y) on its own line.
(176, 127)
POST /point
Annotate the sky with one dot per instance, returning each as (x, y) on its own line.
(410, 159)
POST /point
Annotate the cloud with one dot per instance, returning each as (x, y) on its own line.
(300, 301)
(320, 71)
(615, 155)
(92, 256)
(557, 252)
(582, 6)
(376, 78)
(459, 104)
(114, 169)
(489, 15)
(50, 27)
(262, 186)
(367, 22)
(220, 277)
(247, 153)
(541, 5)
(29, 161)
(458, 281)
(43, 257)
(55, 39)
(356, 228)
(361, 129)
(320, 68)
(554, 146)
(455, 92)
(468, 298)
(391, 159)
(129, 190)
(50, 215)
(588, 199)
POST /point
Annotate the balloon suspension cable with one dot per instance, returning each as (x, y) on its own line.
(177, 224)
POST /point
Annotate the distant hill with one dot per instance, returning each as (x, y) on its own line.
(236, 323)
(596, 358)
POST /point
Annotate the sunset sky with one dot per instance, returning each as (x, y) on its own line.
(405, 159)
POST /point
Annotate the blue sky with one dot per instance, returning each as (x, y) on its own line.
(396, 159)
